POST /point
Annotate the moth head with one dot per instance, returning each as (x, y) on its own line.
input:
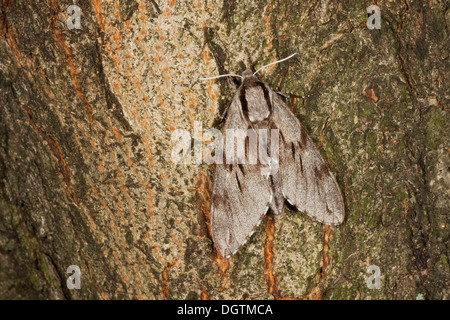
(249, 78)
(247, 73)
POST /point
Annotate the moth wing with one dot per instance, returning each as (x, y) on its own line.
(305, 178)
(241, 194)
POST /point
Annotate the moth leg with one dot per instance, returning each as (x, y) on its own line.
(283, 95)
(222, 117)
(286, 96)
(224, 114)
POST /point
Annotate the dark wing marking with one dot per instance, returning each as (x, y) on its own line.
(306, 181)
(241, 194)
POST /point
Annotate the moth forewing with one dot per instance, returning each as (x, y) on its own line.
(241, 195)
(306, 181)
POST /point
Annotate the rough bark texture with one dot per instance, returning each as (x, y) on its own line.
(86, 118)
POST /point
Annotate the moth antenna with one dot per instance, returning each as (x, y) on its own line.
(222, 75)
(278, 61)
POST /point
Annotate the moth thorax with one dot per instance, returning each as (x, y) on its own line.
(258, 104)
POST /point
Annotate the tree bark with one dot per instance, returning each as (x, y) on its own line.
(86, 118)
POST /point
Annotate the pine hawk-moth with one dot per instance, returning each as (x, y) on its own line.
(242, 194)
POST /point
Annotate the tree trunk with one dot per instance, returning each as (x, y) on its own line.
(86, 118)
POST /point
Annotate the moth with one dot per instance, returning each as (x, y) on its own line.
(242, 195)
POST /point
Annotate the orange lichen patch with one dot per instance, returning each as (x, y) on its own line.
(329, 43)
(204, 295)
(168, 13)
(117, 10)
(116, 36)
(206, 57)
(268, 258)
(165, 278)
(149, 200)
(272, 282)
(223, 267)
(98, 10)
(202, 185)
(94, 190)
(117, 133)
(211, 93)
(326, 260)
(405, 208)
(92, 223)
(129, 162)
(172, 3)
(314, 294)
(370, 93)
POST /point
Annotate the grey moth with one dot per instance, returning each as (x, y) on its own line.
(242, 194)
